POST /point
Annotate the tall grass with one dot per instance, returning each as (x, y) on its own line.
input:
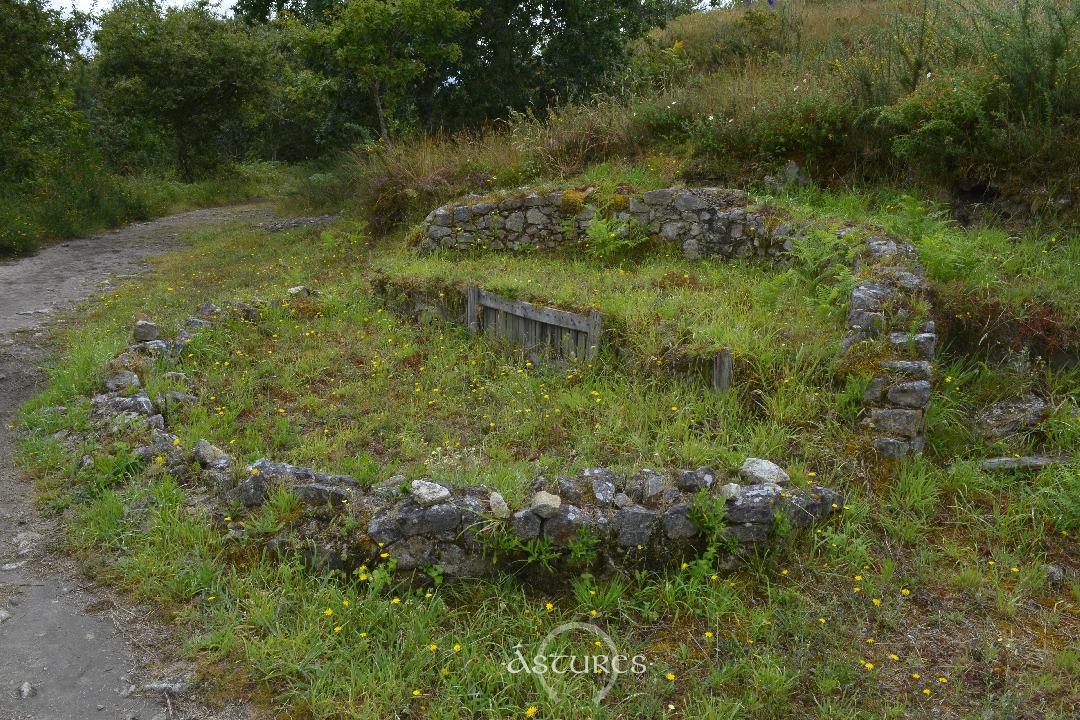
(74, 200)
(948, 91)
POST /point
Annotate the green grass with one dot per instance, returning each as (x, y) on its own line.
(794, 633)
(83, 202)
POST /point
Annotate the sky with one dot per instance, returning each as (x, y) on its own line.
(99, 5)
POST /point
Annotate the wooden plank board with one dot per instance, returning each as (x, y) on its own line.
(472, 309)
(535, 312)
(721, 370)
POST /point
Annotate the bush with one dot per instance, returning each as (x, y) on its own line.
(948, 121)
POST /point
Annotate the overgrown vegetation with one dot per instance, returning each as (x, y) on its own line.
(929, 597)
(977, 99)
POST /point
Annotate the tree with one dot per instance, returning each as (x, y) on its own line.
(532, 53)
(386, 46)
(185, 76)
(39, 45)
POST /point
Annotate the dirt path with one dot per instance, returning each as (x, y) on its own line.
(70, 649)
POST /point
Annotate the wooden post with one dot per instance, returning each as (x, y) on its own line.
(596, 329)
(721, 370)
(472, 309)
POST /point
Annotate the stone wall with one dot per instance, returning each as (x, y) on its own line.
(704, 222)
(645, 517)
(883, 309)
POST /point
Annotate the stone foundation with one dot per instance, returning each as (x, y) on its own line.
(882, 311)
(647, 517)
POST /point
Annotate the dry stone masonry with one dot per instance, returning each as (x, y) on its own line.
(884, 307)
(704, 222)
(423, 523)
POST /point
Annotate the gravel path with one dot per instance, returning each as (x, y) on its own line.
(70, 649)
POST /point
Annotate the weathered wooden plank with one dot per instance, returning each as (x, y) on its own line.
(472, 309)
(723, 362)
(535, 312)
(596, 330)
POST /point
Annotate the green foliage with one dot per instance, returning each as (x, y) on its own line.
(181, 77)
(612, 239)
(386, 46)
(948, 121)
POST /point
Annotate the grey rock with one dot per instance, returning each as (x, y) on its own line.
(646, 485)
(250, 492)
(427, 493)
(758, 471)
(438, 232)
(870, 322)
(194, 323)
(385, 526)
(462, 213)
(318, 494)
(634, 525)
(146, 331)
(122, 380)
(915, 369)
(413, 552)
(912, 394)
(138, 404)
(300, 291)
(622, 500)
(880, 248)
(874, 391)
(871, 297)
(923, 344)
(695, 480)
(1008, 417)
(688, 202)
(535, 217)
(793, 174)
(657, 197)
(897, 448)
(564, 525)
(755, 504)
(603, 488)
(902, 422)
(730, 490)
(168, 687)
(498, 506)
(458, 562)
(441, 520)
(748, 534)
(544, 504)
(515, 222)
(210, 456)
(179, 398)
(1027, 462)
(153, 348)
(677, 523)
(568, 490)
(442, 217)
(26, 690)
(525, 525)
(4, 616)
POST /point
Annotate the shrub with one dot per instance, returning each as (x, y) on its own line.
(611, 239)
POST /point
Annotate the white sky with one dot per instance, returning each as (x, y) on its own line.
(101, 5)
